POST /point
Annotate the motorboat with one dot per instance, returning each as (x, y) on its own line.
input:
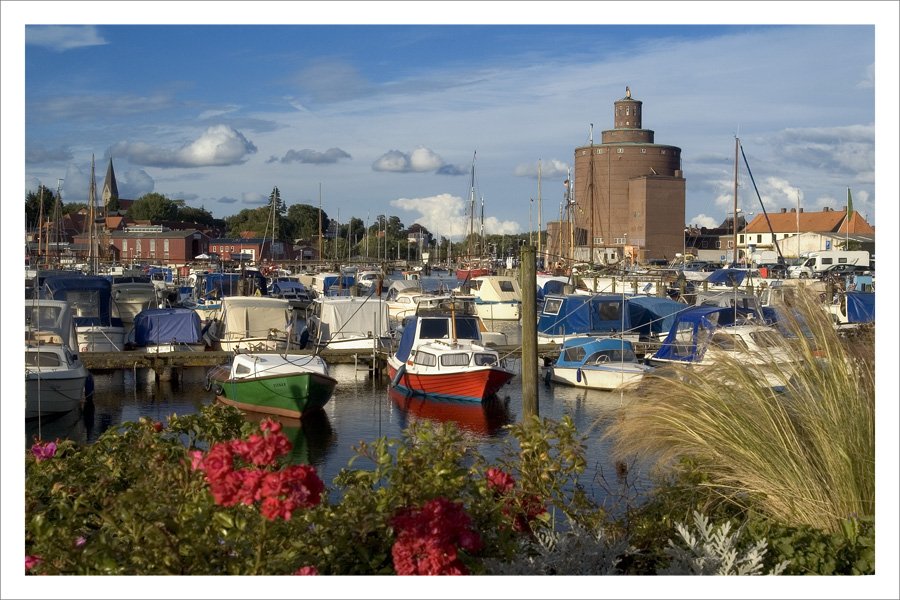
(97, 323)
(275, 384)
(702, 335)
(402, 297)
(581, 315)
(349, 323)
(254, 323)
(496, 297)
(441, 354)
(596, 363)
(132, 295)
(55, 377)
(161, 330)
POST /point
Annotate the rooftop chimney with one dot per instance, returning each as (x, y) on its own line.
(784, 210)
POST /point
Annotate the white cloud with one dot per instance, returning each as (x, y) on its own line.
(445, 215)
(702, 220)
(134, 184)
(220, 145)
(330, 156)
(550, 169)
(63, 37)
(420, 160)
(254, 198)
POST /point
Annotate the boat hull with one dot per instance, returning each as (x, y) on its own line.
(52, 393)
(498, 311)
(462, 274)
(101, 338)
(597, 378)
(472, 385)
(283, 395)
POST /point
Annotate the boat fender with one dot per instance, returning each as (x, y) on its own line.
(398, 376)
(217, 389)
(304, 339)
(89, 388)
(578, 375)
(548, 375)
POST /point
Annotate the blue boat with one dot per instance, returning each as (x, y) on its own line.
(596, 363)
(98, 326)
(583, 315)
(167, 330)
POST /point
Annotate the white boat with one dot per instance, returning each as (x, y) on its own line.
(350, 323)
(97, 323)
(597, 364)
(368, 280)
(702, 335)
(497, 297)
(253, 323)
(466, 305)
(441, 355)
(402, 298)
(55, 377)
(132, 295)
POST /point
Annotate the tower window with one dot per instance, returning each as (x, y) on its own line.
(620, 150)
(662, 151)
(627, 111)
(643, 151)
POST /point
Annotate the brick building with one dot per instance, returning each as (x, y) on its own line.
(627, 194)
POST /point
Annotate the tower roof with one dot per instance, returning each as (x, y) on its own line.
(109, 184)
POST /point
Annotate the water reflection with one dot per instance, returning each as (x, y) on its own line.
(484, 420)
(312, 438)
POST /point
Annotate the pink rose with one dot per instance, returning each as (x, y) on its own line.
(312, 570)
(43, 450)
(31, 561)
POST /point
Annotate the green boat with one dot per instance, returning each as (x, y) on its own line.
(275, 384)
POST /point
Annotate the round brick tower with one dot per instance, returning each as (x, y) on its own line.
(629, 191)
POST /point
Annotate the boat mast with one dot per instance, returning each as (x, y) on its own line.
(40, 224)
(734, 218)
(591, 184)
(539, 216)
(91, 230)
(472, 210)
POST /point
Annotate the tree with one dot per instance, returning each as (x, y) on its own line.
(33, 202)
(305, 221)
(113, 204)
(155, 207)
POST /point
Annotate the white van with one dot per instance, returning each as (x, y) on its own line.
(820, 260)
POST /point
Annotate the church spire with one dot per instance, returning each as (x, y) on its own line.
(110, 189)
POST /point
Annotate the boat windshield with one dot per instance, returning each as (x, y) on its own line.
(439, 328)
(610, 356)
(724, 341)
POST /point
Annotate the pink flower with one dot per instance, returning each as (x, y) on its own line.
(43, 450)
(80, 541)
(196, 459)
(273, 426)
(428, 539)
(499, 481)
(307, 571)
(31, 561)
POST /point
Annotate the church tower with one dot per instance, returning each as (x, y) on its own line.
(110, 189)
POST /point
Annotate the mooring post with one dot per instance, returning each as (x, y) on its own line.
(529, 333)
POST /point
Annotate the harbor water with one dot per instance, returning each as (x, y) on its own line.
(364, 408)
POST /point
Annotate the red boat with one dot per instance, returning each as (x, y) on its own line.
(471, 272)
(441, 355)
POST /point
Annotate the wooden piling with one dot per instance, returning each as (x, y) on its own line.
(529, 332)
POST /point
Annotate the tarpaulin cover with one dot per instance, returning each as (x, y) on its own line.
(90, 297)
(651, 316)
(727, 276)
(691, 328)
(166, 325)
(860, 307)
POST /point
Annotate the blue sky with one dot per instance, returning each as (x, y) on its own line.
(387, 118)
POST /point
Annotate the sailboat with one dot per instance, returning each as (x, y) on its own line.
(473, 268)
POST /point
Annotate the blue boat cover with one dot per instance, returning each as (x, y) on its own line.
(553, 287)
(165, 325)
(406, 340)
(582, 314)
(90, 297)
(727, 276)
(224, 284)
(590, 346)
(651, 315)
(166, 272)
(682, 341)
(860, 307)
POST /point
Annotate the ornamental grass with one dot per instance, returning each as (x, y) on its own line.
(804, 455)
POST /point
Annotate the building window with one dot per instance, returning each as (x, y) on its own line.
(759, 239)
(619, 240)
(643, 151)
(662, 151)
(166, 245)
(232, 248)
(741, 239)
(627, 111)
(703, 244)
(124, 246)
(599, 151)
(152, 245)
(598, 240)
(718, 244)
(731, 244)
(637, 213)
(620, 150)
(583, 152)
(138, 246)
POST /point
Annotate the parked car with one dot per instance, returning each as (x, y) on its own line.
(841, 270)
(773, 270)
